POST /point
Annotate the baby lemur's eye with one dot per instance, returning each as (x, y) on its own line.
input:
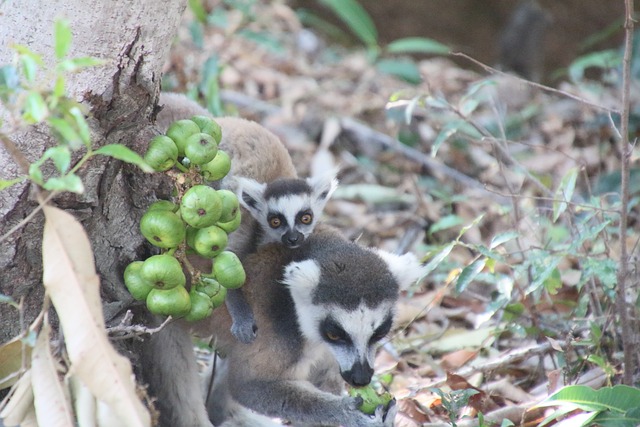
(306, 218)
(274, 222)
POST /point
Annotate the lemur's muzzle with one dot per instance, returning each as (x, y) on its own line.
(359, 375)
(292, 239)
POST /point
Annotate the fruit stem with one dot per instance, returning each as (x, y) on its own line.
(181, 167)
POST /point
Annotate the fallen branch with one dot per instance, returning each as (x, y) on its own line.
(133, 331)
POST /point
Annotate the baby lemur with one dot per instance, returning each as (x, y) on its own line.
(283, 207)
(322, 309)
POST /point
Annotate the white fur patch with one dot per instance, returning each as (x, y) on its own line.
(406, 269)
(302, 277)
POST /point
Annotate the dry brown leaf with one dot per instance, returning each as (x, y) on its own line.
(21, 403)
(71, 281)
(11, 361)
(50, 395)
(457, 359)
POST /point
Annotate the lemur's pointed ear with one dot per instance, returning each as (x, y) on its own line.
(250, 193)
(302, 277)
(406, 269)
(323, 185)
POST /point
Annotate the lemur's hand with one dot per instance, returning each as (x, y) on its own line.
(244, 330)
(383, 417)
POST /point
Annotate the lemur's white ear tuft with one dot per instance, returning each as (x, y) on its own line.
(405, 268)
(250, 193)
(302, 277)
(323, 185)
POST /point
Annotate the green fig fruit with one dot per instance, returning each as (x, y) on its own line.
(232, 225)
(201, 306)
(201, 148)
(169, 302)
(370, 399)
(209, 126)
(217, 168)
(137, 286)
(230, 205)
(163, 205)
(161, 153)
(162, 228)
(212, 288)
(210, 241)
(163, 272)
(228, 270)
(179, 131)
(200, 206)
(191, 235)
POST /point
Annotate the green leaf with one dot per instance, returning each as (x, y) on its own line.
(469, 273)
(619, 398)
(356, 18)
(418, 45)
(62, 35)
(70, 182)
(35, 174)
(6, 183)
(564, 193)
(447, 131)
(604, 59)
(198, 10)
(58, 90)
(468, 106)
(75, 64)
(447, 221)
(554, 282)
(120, 152)
(438, 258)
(404, 68)
(614, 419)
(83, 127)
(543, 271)
(9, 81)
(35, 109)
(66, 132)
(502, 238)
(61, 157)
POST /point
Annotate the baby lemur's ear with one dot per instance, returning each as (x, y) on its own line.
(302, 277)
(406, 269)
(251, 194)
(322, 186)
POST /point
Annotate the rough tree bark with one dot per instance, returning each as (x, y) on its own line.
(133, 38)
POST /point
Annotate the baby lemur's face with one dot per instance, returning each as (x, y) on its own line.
(287, 209)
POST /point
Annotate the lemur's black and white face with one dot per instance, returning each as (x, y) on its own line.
(345, 299)
(287, 209)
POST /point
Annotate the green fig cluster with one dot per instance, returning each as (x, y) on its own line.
(199, 222)
(190, 143)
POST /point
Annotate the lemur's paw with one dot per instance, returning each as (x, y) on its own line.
(245, 332)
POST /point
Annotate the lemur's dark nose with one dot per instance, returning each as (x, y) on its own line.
(359, 375)
(292, 239)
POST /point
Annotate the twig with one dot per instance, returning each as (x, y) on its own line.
(537, 85)
(625, 151)
(131, 331)
(506, 360)
(365, 133)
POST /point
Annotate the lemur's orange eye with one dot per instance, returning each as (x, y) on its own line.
(306, 219)
(274, 222)
(331, 336)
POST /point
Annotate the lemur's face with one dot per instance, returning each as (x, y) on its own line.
(352, 333)
(286, 209)
(289, 219)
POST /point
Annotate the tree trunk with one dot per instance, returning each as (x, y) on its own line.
(133, 38)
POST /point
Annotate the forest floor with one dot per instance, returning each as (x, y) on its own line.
(476, 189)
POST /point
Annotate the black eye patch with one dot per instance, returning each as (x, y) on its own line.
(381, 331)
(333, 333)
(276, 220)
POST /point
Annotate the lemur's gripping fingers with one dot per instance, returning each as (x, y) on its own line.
(388, 414)
(244, 329)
